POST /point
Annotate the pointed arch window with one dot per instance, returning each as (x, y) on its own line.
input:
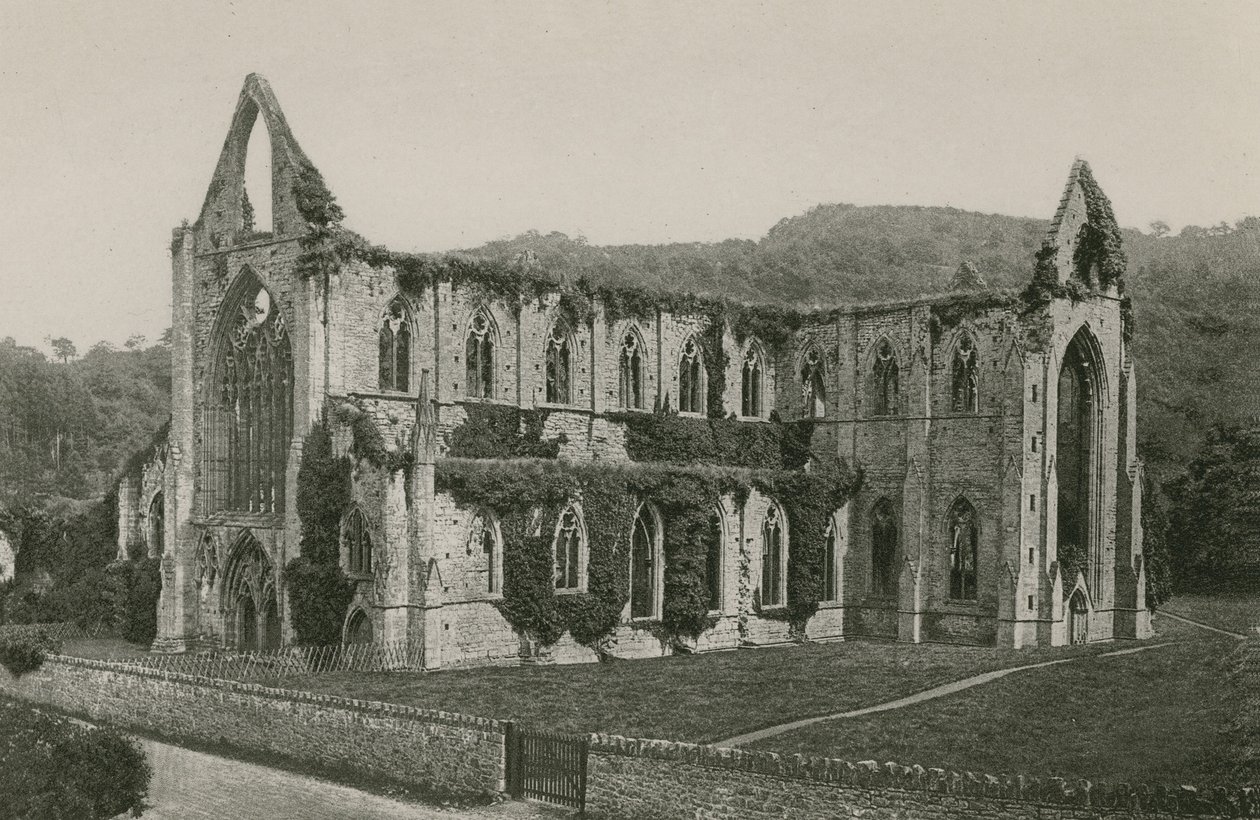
(964, 540)
(479, 357)
(395, 347)
(751, 392)
(813, 384)
(646, 564)
(157, 527)
(569, 549)
(358, 540)
(965, 377)
(250, 412)
(831, 588)
(207, 564)
(486, 546)
(559, 366)
(883, 548)
(773, 558)
(886, 381)
(630, 372)
(691, 378)
(713, 561)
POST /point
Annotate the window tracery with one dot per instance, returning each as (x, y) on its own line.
(567, 547)
(691, 379)
(479, 358)
(559, 366)
(751, 391)
(395, 347)
(965, 378)
(964, 550)
(773, 558)
(483, 540)
(645, 566)
(886, 380)
(358, 540)
(630, 371)
(813, 384)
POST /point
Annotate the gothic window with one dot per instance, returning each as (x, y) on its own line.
(646, 566)
(691, 379)
(963, 550)
(965, 382)
(359, 628)
(883, 548)
(630, 370)
(207, 564)
(249, 417)
(773, 558)
(559, 366)
(713, 561)
(831, 591)
(484, 543)
(252, 619)
(813, 384)
(157, 527)
(395, 347)
(479, 358)
(751, 388)
(358, 540)
(568, 547)
(886, 383)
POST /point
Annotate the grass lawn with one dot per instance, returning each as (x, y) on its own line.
(1154, 716)
(697, 698)
(103, 649)
(1236, 611)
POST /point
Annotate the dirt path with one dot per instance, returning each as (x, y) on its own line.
(190, 785)
(919, 697)
(1201, 625)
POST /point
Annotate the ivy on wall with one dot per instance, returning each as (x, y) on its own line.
(1099, 248)
(528, 497)
(675, 439)
(502, 431)
(319, 592)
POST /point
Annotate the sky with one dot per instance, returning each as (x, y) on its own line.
(444, 125)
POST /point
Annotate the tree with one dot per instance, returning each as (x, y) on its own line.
(1159, 229)
(135, 341)
(63, 348)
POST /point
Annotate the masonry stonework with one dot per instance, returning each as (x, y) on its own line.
(923, 454)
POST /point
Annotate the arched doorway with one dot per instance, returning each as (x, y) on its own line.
(359, 628)
(1077, 461)
(251, 615)
(1078, 619)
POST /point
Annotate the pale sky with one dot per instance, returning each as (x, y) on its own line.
(445, 125)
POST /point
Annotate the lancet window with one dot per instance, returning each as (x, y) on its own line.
(395, 347)
(963, 551)
(965, 377)
(813, 384)
(568, 546)
(479, 357)
(559, 366)
(630, 372)
(886, 381)
(751, 392)
(883, 548)
(691, 379)
(773, 558)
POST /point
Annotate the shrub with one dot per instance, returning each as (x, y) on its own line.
(140, 620)
(24, 651)
(52, 767)
(319, 594)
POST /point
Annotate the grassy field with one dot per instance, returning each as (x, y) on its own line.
(697, 698)
(1153, 716)
(1236, 612)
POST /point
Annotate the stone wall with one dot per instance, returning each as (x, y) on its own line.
(645, 779)
(422, 748)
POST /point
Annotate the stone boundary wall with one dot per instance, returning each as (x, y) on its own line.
(438, 752)
(644, 779)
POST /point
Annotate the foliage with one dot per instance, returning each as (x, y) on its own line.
(1099, 247)
(140, 621)
(1214, 518)
(318, 590)
(1155, 550)
(367, 444)
(501, 431)
(1242, 735)
(669, 437)
(319, 595)
(24, 651)
(69, 426)
(53, 767)
(1073, 559)
(529, 496)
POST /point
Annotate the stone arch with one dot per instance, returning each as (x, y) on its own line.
(481, 349)
(1078, 456)
(716, 552)
(396, 335)
(155, 525)
(251, 614)
(754, 365)
(965, 372)
(559, 351)
(357, 539)
(357, 628)
(835, 553)
(962, 533)
(206, 561)
(485, 538)
(248, 401)
(632, 368)
(693, 377)
(569, 548)
(647, 562)
(885, 370)
(222, 212)
(774, 540)
(811, 367)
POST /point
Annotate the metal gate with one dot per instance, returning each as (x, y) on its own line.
(546, 766)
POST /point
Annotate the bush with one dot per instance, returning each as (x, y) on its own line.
(319, 595)
(24, 651)
(55, 768)
(140, 615)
